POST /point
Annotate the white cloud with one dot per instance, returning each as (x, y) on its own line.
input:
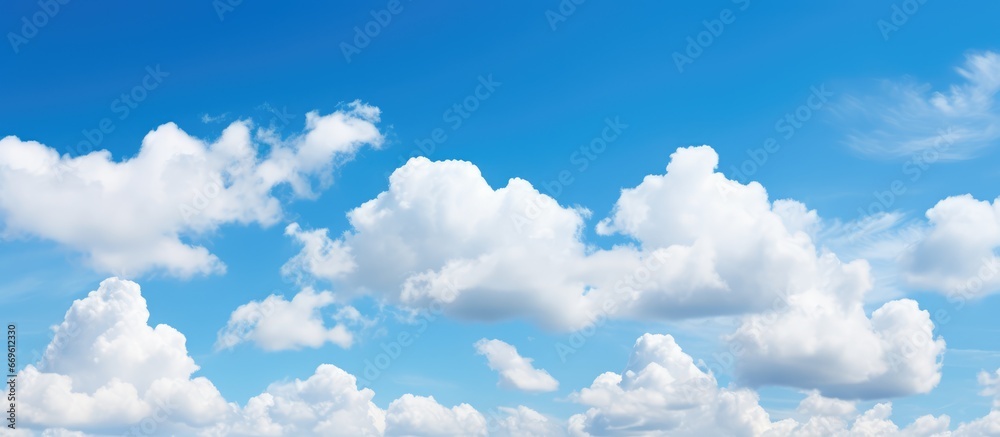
(277, 324)
(492, 267)
(106, 367)
(320, 256)
(874, 422)
(991, 386)
(726, 248)
(136, 215)
(515, 371)
(661, 392)
(418, 415)
(958, 255)
(813, 341)
(107, 372)
(705, 246)
(816, 405)
(514, 252)
(908, 120)
(327, 403)
(524, 422)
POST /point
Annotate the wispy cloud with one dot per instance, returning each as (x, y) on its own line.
(907, 117)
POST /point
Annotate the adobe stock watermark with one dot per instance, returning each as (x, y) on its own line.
(152, 423)
(454, 118)
(561, 13)
(624, 289)
(580, 159)
(394, 348)
(900, 15)
(365, 33)
(971, 288)
(787, 125)
(724, 363)
(122, 106)
(223, 7)
(914, 167)
(203, 196)
(714, 28)
(47, 10)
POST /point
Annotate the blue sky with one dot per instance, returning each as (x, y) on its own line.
(536, 91)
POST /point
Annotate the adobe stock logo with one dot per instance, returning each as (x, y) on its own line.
(364, 34)
(900, 15)
(31, 26)
(714, 29)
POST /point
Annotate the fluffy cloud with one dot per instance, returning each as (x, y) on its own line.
(958, 253)
(493, 266)
(726, 248)
(819, 416)
(277, 324)
(704, 246)
(418, 415)
(991, 386)
(523, 422)
(107, 372)
(327, 403)
(874, 422)
(814, 341)
(514, 252)
(132, 216)
(107, 368)
(515, 371)
(908, 120)
(661, 392)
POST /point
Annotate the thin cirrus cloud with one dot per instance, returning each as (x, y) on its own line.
(704, 246)
(515, 371)
(132, 216)
(906, 118)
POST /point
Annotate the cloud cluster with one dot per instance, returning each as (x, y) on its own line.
(662, 391)
(134, 215)
(107, 371)
(515, 252)
(704, 245)
(442, 236)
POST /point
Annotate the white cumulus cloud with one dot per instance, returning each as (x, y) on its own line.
(136, 215)
(958, 253)
(515, 371)
(107, 372)
(277, 324)
(106, 367)
(815, 342)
